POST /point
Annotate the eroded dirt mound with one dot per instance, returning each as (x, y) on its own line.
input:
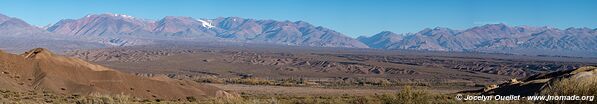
(39, 69)
(535, 84)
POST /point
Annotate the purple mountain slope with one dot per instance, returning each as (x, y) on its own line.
(16, 35)
(10, 26)
(121, 30)
(383, 39)
(493, 38)
(123, 27)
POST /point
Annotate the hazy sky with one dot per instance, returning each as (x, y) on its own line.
(351, 17)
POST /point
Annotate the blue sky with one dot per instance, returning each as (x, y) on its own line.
(351, 17)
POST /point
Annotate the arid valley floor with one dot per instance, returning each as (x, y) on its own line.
(267, 71)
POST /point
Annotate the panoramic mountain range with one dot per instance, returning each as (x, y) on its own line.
(117, 26)
(492, 38)
(101, 30)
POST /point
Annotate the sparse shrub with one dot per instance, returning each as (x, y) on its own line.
(255, 81)
(191, 99)
(365, 100)
(209, 80)
(408, 95)
(566, 87)
(106, 99)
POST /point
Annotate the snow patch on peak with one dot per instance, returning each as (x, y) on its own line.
(206, 24)
(123, 16)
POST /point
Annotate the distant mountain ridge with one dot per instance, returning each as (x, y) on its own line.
(492, 38)
(15, 27)
(98, 30)
(381, 40)
(117, 26)
(17, 35)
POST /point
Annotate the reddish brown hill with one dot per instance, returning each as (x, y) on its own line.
(39, 69)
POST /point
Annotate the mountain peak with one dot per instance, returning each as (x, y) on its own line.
(437, 31)
(502, 28)
(579, 29)
(302, 23)
(500, 25)
(110, 15)
(235, 19)
(385, 32)
(176, 18)
(381, 40)
(442, 28)
(496, 24)
(16, 24)
(2, 15)
(15, 21)
(388, 34)
(3, 18)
